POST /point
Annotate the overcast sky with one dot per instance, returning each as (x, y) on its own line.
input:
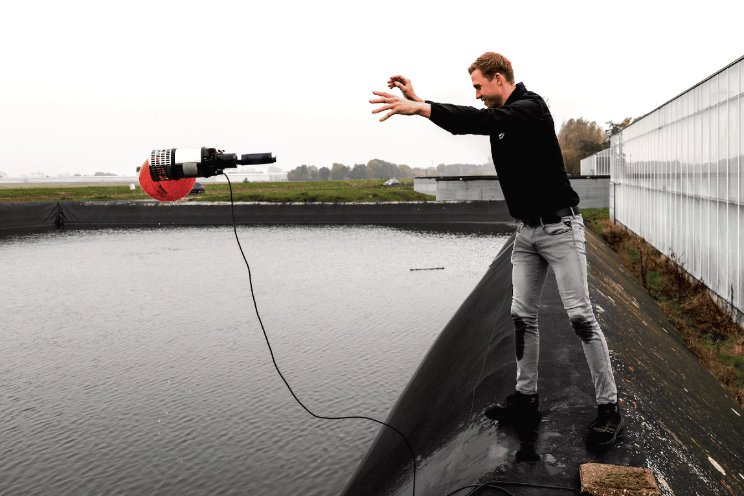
(94, 86)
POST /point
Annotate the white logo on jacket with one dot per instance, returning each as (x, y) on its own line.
(501, 135)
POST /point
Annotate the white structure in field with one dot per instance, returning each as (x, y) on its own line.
(593, 191)
(596, 165)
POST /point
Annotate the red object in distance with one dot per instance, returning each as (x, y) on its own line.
(164, 190)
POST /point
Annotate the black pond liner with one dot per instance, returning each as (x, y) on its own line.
(16, 218)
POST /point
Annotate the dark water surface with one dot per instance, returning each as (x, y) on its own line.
(132, 362)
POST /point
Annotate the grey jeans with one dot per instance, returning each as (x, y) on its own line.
(561, 246)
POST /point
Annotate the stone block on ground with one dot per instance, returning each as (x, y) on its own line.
(599, 479)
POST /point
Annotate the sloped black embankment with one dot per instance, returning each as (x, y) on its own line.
(680, 422)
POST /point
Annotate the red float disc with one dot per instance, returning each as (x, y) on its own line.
(164, 190)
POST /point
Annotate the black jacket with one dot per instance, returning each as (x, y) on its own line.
(524, 147)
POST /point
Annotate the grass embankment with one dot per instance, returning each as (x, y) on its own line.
(359, 190)
(362, 190)
(708, 330)
(13, 193)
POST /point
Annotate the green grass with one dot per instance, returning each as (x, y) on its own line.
(65, 192)
(738, 363)
(592, 216)
(656, 281)
(363, 190)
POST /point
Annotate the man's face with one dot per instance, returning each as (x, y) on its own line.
(490, 92)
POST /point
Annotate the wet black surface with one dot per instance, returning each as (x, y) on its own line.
(27, 217)
(679, 421)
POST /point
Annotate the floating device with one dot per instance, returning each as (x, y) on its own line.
(170, 173)
(164, 190)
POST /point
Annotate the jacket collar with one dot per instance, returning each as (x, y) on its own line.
(519, 90)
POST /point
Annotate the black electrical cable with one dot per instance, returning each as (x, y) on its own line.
(476, 487)
(497, 485)
(498, 488)
(271, 351)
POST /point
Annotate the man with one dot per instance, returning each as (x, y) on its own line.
(530, 168)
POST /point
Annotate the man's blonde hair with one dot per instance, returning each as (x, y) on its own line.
(490, 63)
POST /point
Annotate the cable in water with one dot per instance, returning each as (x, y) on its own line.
(276, 366)
(475, 488)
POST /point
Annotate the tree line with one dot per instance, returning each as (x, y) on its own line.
(579, 138)
(380, 169)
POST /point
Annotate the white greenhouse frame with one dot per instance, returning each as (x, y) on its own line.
(676, 180)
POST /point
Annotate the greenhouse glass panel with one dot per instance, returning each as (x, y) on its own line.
(740, 127)
(733, 81)
(697, 147)
(713, 155)
(696, 225)
(722, 171)
(705, 154)
(733, 150)
(707, 240)
(731, 251)
(740, 255)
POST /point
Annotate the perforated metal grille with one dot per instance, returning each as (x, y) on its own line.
(161, 162)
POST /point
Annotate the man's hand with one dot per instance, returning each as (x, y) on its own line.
(395, 105)
(405, 86)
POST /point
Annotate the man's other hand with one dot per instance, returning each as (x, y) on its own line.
(405, 86)
(395, 105)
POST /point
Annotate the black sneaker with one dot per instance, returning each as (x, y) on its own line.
(604, 430)
(515, 406)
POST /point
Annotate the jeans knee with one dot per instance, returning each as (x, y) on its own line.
(523, 321)
(585, 326)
